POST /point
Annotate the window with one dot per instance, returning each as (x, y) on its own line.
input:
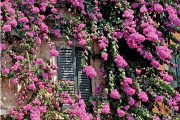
(69, 68)
(176, 71)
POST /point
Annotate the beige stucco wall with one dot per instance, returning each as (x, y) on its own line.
(8, 92)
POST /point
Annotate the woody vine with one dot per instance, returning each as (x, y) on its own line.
(135, 39)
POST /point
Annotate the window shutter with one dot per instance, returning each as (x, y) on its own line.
(176, 71)
(84, 83)
(66, 64)
(177, 61)
(69, 68)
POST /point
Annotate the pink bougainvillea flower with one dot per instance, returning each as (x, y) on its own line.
(15, 67)
(45, 76)
(129, 91)
(163, 52)
(35, 10)
(90, 71)
(143, 96)
(130, 117)
(158, 8)
(13, 23)
(105, 109)
(104, 56)
(143, 9)
(81, 26)
(23, 20)
(152, 36)
(150, 33)
(39, 61)
(20, 57)
(126, 107)
(69, 42)
(6, 28)
(167, 77)
(131, 101)
(43, 6)
(54, 53)
(82, 42)
(103, 43)
(26, 27)
(128, 14)
(117, 34)
(38, 41)
(54, 10)
(155, 64)
(57, 33)
(11, 11)
(44, 28)
(120, 113)
(15, 82)
(95, 37)
(115, 94)
(127, 81)
(148, 56)
(20, 116)
(132, 43)
(2, 46)
(99, 16)
(35, 114)
(5, 71)
(36, 102)
(27, 107)
(42, 109)
(32, 86)
(138, 72)
(159, 98)
(156, 118)
(137, 37)
(42, 17)
(120, 62)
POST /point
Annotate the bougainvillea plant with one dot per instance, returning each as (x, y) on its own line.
(135, 37)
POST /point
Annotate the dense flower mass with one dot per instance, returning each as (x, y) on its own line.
(103, 43)
(167, 77)
(164, 53)
(54, 53)
(104, 56)
(6, 28)
(90, 71)
(115, 94)
(105, 109)
(120, 61)
(143, 96)
(120, 113)
(128, 42)
(134, 39)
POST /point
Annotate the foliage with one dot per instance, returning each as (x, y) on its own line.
(135, 39)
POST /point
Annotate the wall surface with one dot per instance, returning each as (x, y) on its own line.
(8, 92)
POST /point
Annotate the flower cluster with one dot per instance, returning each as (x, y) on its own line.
(103, 43)
(140, 31)
(164, 53)
(126, 85)
(120, 113)
(105, 109)
(134, 39)
(175, 102)
(115, 94)
(143, 96)
(120, 61)
(90, 71)
(173, 16)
